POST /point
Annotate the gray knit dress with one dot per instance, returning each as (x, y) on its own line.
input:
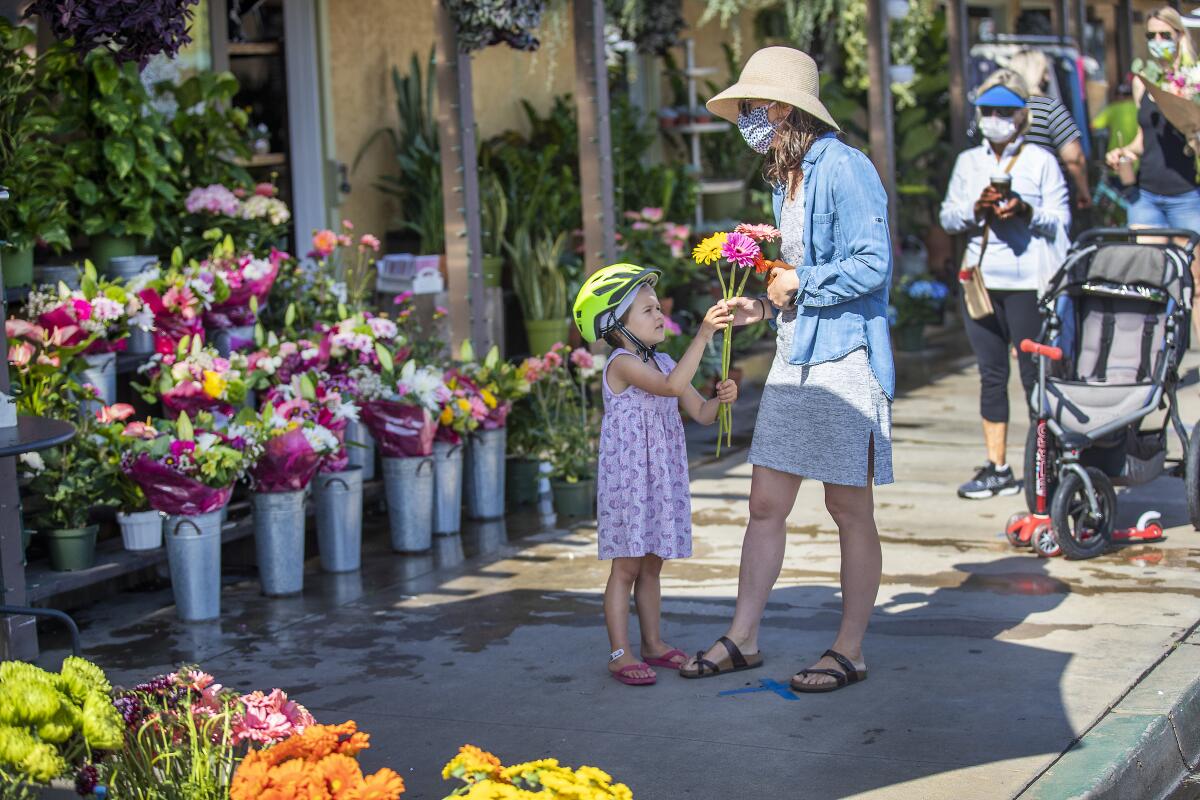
(817, 421)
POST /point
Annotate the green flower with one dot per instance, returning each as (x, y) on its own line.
(24, 702)
(61, 726)
(102, 725)
(19, 670)
(43, 763)
(15, 744)
(81, 677)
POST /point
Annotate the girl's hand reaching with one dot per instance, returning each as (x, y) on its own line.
(727, 392)
(718, 318)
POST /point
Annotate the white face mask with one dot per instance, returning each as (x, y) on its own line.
(997, 129)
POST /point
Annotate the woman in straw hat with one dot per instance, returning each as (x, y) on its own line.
(826, 408)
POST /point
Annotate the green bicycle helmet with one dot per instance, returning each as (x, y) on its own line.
(605, 297)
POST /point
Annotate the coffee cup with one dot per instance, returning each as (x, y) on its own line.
(1001, 182)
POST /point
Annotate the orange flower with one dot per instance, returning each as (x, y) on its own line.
(340, 773)
(383, 785)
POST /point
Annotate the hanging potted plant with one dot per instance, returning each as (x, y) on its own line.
(32, 166)
(399, 410)
(187, 471)
(293, 444)
(121, 152)
(141, 526)
(511, 22)
(499, 385)
(541, 287)
(71, 485)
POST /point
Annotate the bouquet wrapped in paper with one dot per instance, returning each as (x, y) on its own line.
(195, 378)
(293, 445)
(317, 399)
(249, 280)
(498, 384)
(184, 468)
(1177, 95)
(98, 311)
(175, 299)
(400, 413)
(462, 408)
(362, 340)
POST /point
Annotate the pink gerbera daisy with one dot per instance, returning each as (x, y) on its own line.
(759, 233)
(741, 250)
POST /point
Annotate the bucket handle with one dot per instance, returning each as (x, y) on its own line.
(186, 521)
(420, 466)
(454, 448)
(331, 481)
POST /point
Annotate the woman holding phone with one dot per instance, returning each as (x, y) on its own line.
(1011, 200)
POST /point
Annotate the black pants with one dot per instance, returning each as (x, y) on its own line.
(991, 338)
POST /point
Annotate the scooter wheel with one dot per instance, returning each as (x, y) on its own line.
(1044, 542)
(1015, 530)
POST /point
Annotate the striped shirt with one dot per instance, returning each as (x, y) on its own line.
(1050, 124)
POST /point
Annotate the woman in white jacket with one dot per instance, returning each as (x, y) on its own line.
(1026, 241)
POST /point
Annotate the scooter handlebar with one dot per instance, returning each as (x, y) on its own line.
(1052, 353)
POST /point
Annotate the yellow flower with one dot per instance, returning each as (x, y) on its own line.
(489, 399)
(447, 416)
(463, 405)
(214, 384)
(709, 250)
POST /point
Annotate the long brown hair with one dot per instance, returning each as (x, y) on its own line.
(794, 135)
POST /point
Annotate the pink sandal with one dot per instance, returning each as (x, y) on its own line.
(667, 659)
(623, 674)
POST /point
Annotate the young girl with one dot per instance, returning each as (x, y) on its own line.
(644, 503)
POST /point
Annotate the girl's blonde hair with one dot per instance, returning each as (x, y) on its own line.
(1172, 18)
(794, 135)
(1032, 66)
(1010, 79)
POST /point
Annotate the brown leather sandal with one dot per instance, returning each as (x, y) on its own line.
(844, 677)
(736, 662)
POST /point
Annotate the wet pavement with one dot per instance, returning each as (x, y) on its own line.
(986, 662)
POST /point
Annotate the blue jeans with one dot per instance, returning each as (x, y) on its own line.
(1161, 211)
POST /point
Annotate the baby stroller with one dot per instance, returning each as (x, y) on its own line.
(1116, 320)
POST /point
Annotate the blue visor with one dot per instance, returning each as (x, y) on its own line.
(1000, 97)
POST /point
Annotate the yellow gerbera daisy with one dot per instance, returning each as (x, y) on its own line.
(447, 416)
(214, 384)
(709, 250)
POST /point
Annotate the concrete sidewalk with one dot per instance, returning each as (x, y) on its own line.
(986, 663)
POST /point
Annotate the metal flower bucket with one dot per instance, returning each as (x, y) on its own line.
(101, 372)
(140, 341)
(361, 454)
(408, 484)
(126, 267)
(338, 497)
(279, 541)
(194, 558)
(484, 478)
(226, 340)
(448, 485)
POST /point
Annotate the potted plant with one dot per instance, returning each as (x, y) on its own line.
(141, 526)
(480, 25)
(499, 385)
(121, 152)
(70, 486)
(187, 471)
(31, 164)
(917, 301)
(494, 221)
(540, 287)
(43, 369)
(525, 445)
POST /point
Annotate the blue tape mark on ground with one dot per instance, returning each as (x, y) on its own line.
(765, 685)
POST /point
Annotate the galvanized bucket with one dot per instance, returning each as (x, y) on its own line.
(101, 372)
(141, 530)
(194, 557)
(484, 479)
(140, 341)
(126, 267)
(338, 497)
(408, 484)
(227, 339)
(448, 484)
(279, 541)
(362, 454)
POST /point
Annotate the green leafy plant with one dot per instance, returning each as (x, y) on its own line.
(493, 214)
(31, 162)
(482, 23)
(414, 144)
(538, 279)
(121, 150)
(563, 425)
(73, 482)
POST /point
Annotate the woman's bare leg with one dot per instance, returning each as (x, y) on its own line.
(772, 495)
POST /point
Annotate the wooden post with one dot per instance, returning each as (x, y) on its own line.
(956, 41)
(879, 107)
(1080, 25)
(595, 137)
(460, 189)
(1124, 39)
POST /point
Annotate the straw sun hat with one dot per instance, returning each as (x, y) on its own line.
(781, 74)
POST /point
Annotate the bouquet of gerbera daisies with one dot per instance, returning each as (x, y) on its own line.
(98, 310)
(400, 410)
(195, 377)
(176, 299)
(186, 468)
(293, 444)
(499, 383)
(739, 249)
(320, 399)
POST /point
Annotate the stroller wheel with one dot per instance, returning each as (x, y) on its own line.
(1191, 476)
(1044, 542)
(1015, 530)
(1080, 533)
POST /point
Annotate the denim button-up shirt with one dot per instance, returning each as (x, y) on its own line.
(842, 302)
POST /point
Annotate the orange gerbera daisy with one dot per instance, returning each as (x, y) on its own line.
(341, 773)
(383, 785)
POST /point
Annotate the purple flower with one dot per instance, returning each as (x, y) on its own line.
(86, 780)
(741, 250)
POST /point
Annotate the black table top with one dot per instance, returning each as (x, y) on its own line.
(34, 433)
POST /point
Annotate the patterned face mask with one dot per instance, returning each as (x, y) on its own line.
(756, 129)
(1163, 49)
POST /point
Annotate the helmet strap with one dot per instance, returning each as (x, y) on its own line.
(642, 350)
